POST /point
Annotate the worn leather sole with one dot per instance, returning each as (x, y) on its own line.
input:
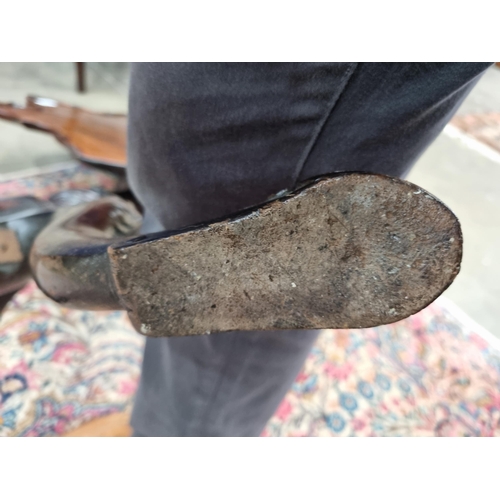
(349, 251)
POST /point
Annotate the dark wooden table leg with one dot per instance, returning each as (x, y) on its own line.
(80, 69)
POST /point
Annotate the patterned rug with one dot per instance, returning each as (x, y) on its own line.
(430, 375)
(433, 374)
(485, 127)
(71, 175)
(60, 368)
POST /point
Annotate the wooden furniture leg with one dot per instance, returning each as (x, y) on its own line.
(80, 69)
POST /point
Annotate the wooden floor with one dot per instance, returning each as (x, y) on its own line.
(114, 425)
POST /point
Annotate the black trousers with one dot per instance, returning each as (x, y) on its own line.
(209, 139)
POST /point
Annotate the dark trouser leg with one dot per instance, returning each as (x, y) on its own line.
(206, 140)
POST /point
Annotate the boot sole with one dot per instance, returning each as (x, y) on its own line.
(349, 251)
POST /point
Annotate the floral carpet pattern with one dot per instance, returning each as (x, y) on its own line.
(74, 176)
(432, 374)
(485, 127)
(60, 368)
